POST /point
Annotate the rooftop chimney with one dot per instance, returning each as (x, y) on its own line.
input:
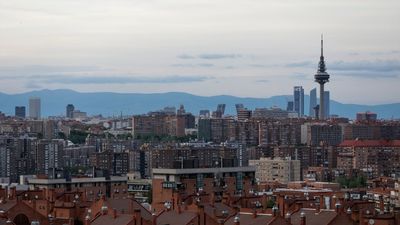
(254, 214)
(13, 193)
(302, 218)
(338, 206)
(154, 218)
(201, 215)
(137, 215)
(236, 220)
(114, 213)
(87, 220)
(288, 218)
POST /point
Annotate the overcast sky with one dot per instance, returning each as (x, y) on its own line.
(253, 48)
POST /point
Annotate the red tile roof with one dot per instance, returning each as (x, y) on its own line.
(7, 205)
(123, 219)
(370, 143)
(314, 218)
(248, 219)
(127, 206)
(175, 218)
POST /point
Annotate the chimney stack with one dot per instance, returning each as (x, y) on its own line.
(13, 193)
(288, 218)
(154, 218)
(104, 210)
(137, 215)
(338, 206)
(87, 220)
(254, 214)
(114, 213)
(201, 215)
(302, 218)
(236, 220)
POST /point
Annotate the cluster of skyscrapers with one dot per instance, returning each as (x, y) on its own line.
(298, 104)
(321, 110)
(34, 109)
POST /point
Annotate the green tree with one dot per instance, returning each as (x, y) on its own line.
(78, 136)
(270, 203)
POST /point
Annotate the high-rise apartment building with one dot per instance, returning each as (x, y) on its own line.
(278, 169)
(366, 116)
(34, 108)
(49, 156)
(70, 111)
(313, 102)
(298, 96)
(244, 114)
(290, 106)
(220, 111)
(16, 156)
(318, 134)
(20, 111)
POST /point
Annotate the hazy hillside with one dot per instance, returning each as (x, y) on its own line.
(106, 103)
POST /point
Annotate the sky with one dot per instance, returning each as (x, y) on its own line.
(247, 48)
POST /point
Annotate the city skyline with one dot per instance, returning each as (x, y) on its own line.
(173, 112)
(203, 48)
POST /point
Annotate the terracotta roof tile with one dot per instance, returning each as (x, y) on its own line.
(127, 206)
(122, 219)
(313, 218)
(247, 219)
(8, 205)
(175, 218)
(370, 143)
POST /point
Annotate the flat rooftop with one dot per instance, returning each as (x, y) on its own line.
(76, 180)
(160, 171)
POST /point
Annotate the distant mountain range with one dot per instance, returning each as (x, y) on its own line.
(108, 104)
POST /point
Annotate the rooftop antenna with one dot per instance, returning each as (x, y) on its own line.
(322, 45)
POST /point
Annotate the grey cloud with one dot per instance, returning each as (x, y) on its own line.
(353, 53)
(301, 76)
(210, 56)
(193, 65)
(62, 79)
(300, 64)
(255, 65)
(34, 69)
(32, 85)
(366, 74)
(362, 68)
(258, 65)
(206, 65)
(219, 56)
(39, 74)
(376, 53)
(185, 56)
(182, 65)
(377, 66)
(392, 52)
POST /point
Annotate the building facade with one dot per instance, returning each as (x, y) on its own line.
(282, 170)
(298, 96)
(34, 108)
(20, 111)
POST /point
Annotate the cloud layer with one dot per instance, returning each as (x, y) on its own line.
(210, 56)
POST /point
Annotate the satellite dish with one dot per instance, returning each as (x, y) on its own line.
(371, 221)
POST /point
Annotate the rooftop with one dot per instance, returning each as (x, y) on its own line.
(203, 170)
(370, 143)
